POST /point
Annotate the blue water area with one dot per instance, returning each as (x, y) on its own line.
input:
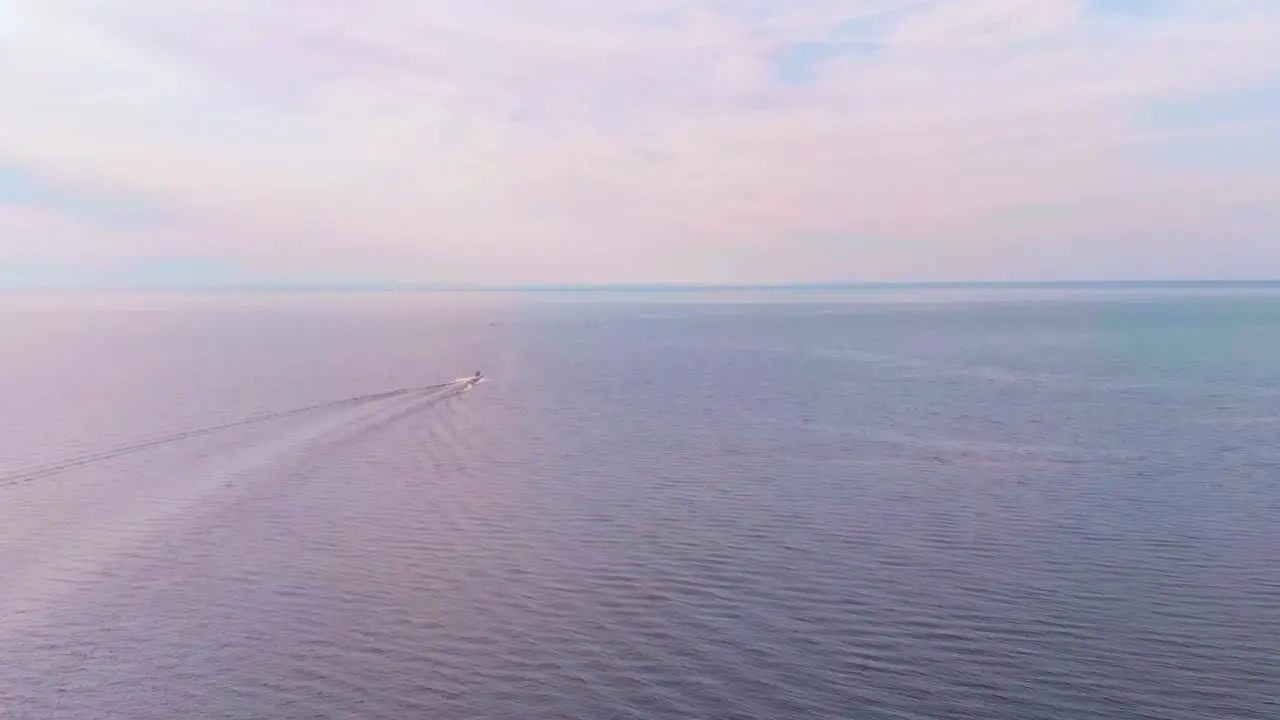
(986, 503)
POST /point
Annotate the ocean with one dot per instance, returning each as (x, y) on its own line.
(992, 503)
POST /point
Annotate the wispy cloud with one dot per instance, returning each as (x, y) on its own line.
(641, 140)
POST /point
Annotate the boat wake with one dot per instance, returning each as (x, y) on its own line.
(437, 392)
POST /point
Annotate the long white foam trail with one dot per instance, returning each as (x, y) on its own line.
(45, 470)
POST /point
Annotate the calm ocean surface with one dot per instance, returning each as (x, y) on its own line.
(992, 504)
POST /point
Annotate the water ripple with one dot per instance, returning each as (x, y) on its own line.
(951, 524)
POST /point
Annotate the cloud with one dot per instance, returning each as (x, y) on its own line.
(647, 140)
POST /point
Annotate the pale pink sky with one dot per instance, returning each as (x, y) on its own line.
(505, 141)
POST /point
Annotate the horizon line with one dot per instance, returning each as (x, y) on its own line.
(636, 287)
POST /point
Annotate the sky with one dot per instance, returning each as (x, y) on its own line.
(230, 142)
